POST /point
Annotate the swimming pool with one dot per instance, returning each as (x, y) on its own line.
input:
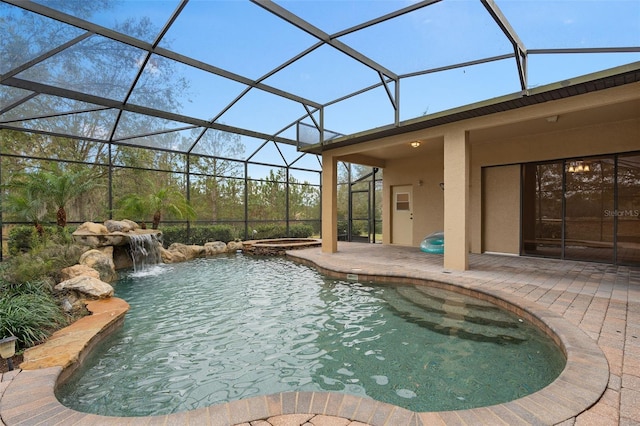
(231, 327)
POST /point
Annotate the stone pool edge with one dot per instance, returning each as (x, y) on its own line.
(29, 397)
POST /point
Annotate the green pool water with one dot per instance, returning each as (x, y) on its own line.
(220, 329)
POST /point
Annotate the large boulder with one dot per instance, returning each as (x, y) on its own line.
(234, 246)
(88, 286)
(171, 256)
(215, 247)
(120, 225)
(78, 270)
(112, 233)
(102, 261)
(133, 225)
(92, 228)
(189, 251)
(91, 234)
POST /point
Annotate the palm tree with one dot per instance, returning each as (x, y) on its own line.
(165, 200)
(26, 200)
(169, 200)
(133, 206)
(33, 193)
(63, 187)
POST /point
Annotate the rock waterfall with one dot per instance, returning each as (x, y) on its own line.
(145, 250)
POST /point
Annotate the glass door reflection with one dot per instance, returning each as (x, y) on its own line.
(589, 195)
(627, 213)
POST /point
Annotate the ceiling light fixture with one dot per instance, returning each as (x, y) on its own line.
(415, 144)
(579, 167)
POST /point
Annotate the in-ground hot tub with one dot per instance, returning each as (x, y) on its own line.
(278, 246)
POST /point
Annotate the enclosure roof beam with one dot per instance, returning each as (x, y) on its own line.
(110, 103)
(316, 32)
(626, 49)
(388, 16)
(518, 46)
(132, 41)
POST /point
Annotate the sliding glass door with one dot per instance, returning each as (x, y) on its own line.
(627, 212)
(589, 193)
(542, 209)
(583, 209)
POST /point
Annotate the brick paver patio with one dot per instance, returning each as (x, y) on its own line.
(594, 308)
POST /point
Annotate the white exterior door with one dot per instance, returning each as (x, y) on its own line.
(402, 215)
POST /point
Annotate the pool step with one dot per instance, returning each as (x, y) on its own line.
(453, 314)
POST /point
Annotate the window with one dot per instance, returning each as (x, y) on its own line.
(402, 201)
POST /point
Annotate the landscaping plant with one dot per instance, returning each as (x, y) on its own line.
(30, 312)
(29, 308)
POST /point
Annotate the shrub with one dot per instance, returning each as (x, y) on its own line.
(43, 262)
(267, 231)
(173, 234)
(29, 312)
(300, 230)
(23, 238)
(198, 234)
(28, 307)
(550, 230)
(205, 234)
(272, 230)
(343, 227)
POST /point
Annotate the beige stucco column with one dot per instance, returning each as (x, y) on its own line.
(456, 200)
(329, 203)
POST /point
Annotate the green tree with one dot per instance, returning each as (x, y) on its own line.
(216, 152)
(166, 200)
(169, 200)
(108, 66)
(134, 207)
(267, 197)
(304, 200)
(25, 199)
(62, 187)
(33, 193)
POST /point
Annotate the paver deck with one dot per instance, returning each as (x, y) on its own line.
(594, 309)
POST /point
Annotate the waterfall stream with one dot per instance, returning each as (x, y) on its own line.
(144, 249)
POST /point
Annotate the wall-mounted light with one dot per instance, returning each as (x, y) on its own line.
(415, 144)
(8, 349)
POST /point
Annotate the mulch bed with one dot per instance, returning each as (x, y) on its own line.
(4, 367)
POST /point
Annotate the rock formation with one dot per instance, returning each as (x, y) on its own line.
(117, 236)
(89, 286)
(101, 261)
(77, 270)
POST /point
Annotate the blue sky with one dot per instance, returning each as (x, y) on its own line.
(249, 41)
(449, 32)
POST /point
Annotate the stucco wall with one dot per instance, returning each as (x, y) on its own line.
(501, 209)
(621, 136)
(427, 166)
(428, 198)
